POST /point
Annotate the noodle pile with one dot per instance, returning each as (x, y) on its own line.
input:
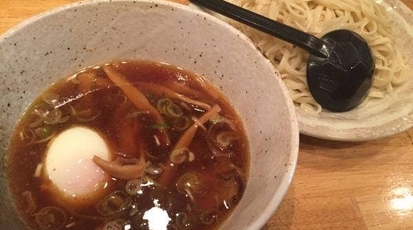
(318, 17)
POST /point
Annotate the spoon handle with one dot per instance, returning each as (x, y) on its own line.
(291, 35)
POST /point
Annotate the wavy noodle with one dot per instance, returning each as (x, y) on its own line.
(318, 17)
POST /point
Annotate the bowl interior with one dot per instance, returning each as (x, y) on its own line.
(60, 42)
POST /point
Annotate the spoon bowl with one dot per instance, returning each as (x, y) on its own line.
(341, 81)
(340, 67)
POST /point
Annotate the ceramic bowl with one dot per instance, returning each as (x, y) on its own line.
(60, 42)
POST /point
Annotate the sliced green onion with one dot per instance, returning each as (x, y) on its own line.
(53, 117)
(169, 108)
(181, 155)
(90, 118)
(40, 110)
(189, 181)
(42, 132)
(38, 122)
(30, 201)
(173, 110)
(50, 218)
(46, 139)
(162, 103)
(182, 220)
(160, 126)
(133, 187)
(115, 225)
(225, 138)
(114, 203)
(76, 113)
(83, 115)
(208, 217)
(181, 123)
(153, 169)
(133, 114)
(63, 119)
(52, 99)
(27, 135)
(220, 138)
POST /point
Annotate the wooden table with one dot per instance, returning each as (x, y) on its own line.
(337, 185)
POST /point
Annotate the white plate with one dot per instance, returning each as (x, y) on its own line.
(379, 118)
(62, 41)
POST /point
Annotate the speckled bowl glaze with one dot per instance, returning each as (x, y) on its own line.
(60, 42)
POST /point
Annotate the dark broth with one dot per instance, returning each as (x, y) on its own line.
(198, 185)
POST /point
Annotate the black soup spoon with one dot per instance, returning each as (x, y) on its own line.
(340, 66)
